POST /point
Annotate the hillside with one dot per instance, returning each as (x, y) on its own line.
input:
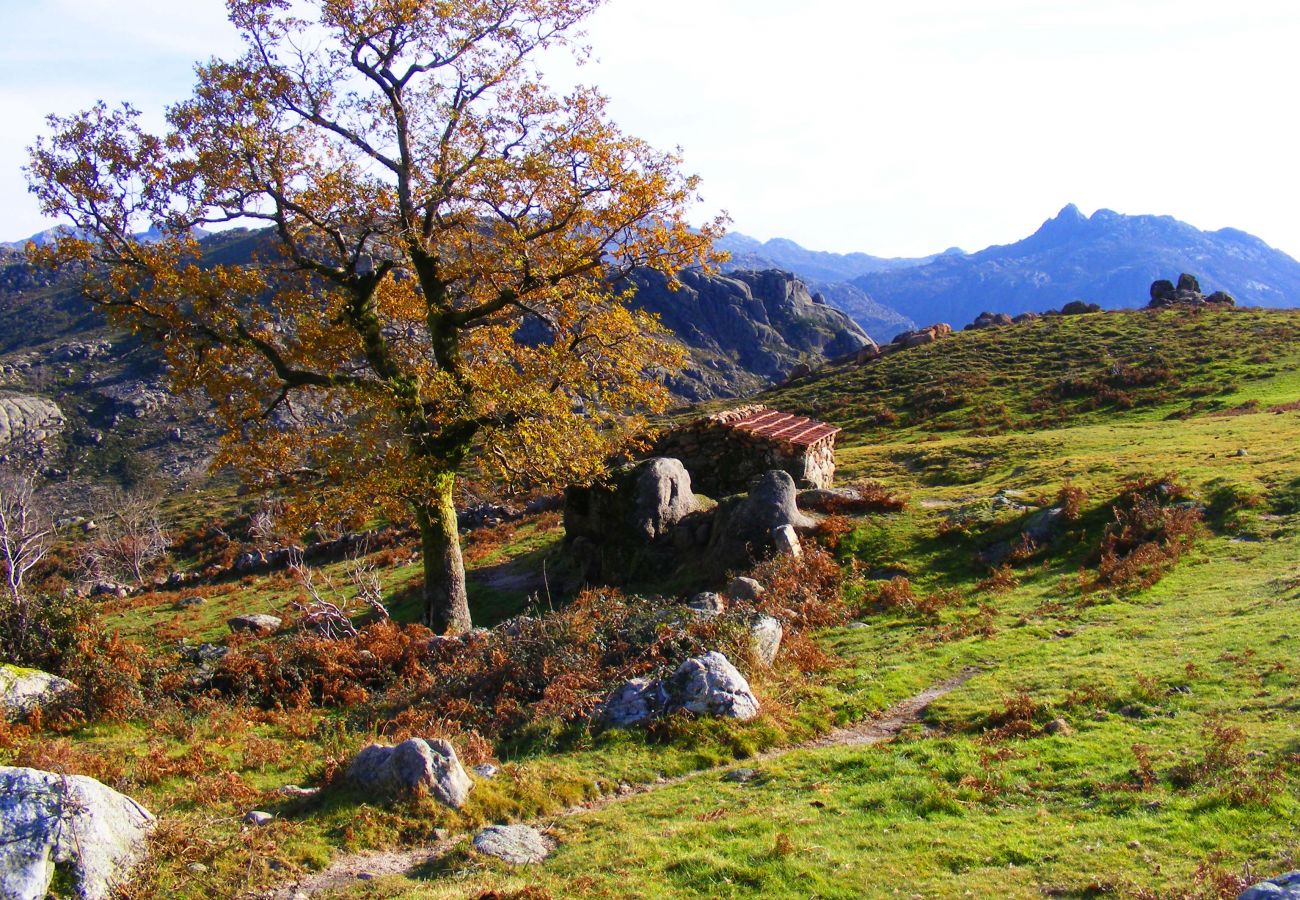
(1109, 259)
(1106, 710)
(744, 333)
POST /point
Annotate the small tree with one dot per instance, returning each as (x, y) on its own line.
(130, 538)
(442, 270)
(26, 533)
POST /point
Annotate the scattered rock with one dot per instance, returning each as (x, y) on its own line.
(1079, 308)
(741, 776)
(707, 604)
(518, 845)
(414, 764)
(828, 500)
(786, 541)
(708, 685)
(745, 589)
(858, 626)
(197, 868)
(922, 336)
(23, 690)
(255, 623)
(486, 770)
(109, 589)
(765, 633)
(51, 820)
(1283, 887)
(298, 793)
(190, 602)
(990, 320)
(1059, 728)
(258, 819)
(1187, 293)
(634, 703)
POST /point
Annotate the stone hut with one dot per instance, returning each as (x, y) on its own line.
(724, 451)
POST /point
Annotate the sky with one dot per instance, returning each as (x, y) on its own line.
(892, 127)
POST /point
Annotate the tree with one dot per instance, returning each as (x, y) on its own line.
(130, 541)
(430, 205)
(26, 533)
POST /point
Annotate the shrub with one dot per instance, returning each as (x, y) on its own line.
(1152, 528)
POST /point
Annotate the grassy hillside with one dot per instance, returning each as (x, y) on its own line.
(1127, 728)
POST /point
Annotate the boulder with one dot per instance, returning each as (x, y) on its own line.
(765, 633)
(990, 320)
(786, 541)
(707, 604)
(518, 845)
(410, 766)
(1162, 291)
(1283, 887)
(23, 690)
(663, 497)
(746, 589)
(710, 685)
(707, 685)
(743, 527)
(1079, 308)
(1189, 284)
(254, 623)
(828, 500)
(634, 703)
(1221, 298)
(69, 822)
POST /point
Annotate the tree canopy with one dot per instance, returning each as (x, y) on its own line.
(428, 202)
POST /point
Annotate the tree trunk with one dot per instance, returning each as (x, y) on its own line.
(446, 605)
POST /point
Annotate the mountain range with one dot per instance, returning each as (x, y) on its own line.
(1109, 258)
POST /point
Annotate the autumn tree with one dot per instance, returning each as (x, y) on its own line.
(446, 240)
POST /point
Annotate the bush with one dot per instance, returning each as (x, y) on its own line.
(62, 634)
(1153, 525)
(530, 678)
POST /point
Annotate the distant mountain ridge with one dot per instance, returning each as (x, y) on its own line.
(1108, 258)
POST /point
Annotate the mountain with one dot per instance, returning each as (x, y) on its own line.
(105, 414)
(1109, 258)
(827, 274)
(745, 330)
(810, 265)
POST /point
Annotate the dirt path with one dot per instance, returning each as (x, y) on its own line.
(348, 870)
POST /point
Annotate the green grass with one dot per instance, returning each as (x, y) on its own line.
(952, 808)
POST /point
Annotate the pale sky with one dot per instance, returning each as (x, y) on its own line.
(893, 128)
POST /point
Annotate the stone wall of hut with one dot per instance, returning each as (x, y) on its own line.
(722, 460)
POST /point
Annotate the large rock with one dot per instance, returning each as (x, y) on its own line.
(744, 528)
(519, 845)
(663, 497)
(28, 421)
(410, 766)
(255, 623)
(708, 685)
(613, 529)
(23, 690)
(765, 634)
(634, 703)
(1284, 887)
(71, 823)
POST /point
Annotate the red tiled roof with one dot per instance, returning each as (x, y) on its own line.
(785, 427)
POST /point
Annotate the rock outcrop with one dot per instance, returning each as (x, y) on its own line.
(28, 422)
(744, 330)
(23, 690)
(707, 685)
(745, 528)
(413, 765)
(66, 823)
(1186, 293)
